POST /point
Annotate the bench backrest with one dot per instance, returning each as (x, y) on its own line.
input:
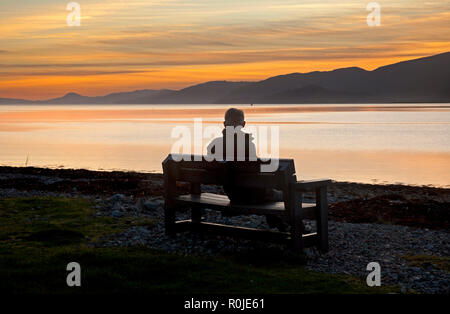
(195, 169)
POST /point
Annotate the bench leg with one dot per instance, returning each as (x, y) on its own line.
(297, 235)
(196, 215)
(196, 212)
(170, 190)
(322, 218)
(169, 220)
(296, 220)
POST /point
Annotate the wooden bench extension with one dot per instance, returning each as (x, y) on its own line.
(245, 174)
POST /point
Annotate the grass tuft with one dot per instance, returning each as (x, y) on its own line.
(424, 261)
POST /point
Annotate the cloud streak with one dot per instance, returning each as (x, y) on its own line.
(174, 43)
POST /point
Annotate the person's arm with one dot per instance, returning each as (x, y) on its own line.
(211, 149)
(214, 150)
(252, 151)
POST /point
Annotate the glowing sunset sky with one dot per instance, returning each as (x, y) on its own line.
(151, 44)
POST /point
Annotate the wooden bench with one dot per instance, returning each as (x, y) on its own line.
(245, 174)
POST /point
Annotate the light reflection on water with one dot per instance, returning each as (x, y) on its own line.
(389, 144)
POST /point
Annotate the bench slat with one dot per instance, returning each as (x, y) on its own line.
(200, 176)
(222, 203)
(263, 180)
(245, 174)
(243, 232)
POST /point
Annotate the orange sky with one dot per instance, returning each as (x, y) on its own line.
(151, 44)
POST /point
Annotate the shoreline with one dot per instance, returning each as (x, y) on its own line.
(76, 173)
(80, 171)
(374, 182)
(414, 206)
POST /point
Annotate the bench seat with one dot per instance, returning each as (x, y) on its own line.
(222, 203)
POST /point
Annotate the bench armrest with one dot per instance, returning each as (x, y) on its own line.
(311, 184)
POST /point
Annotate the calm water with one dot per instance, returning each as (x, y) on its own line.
(363, 143)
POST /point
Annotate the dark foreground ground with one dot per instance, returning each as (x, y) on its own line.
(111, 223)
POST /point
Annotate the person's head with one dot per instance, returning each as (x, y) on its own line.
(234, 117)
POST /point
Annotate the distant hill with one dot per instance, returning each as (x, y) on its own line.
(12, 101)
(135, 97)
(420, 80)
(206, 93)
(312, 94)
(280, 88)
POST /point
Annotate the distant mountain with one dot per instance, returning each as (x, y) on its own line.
(135, 97)
(347, 80)
(423, 80)
(312, 94)
(12, 101)
(206, 93)
(69, 98)
(420, 80)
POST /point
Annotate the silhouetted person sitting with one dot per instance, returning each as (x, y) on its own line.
(241, 149)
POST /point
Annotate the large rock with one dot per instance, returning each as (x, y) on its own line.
(152, 204)
(117, 214)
